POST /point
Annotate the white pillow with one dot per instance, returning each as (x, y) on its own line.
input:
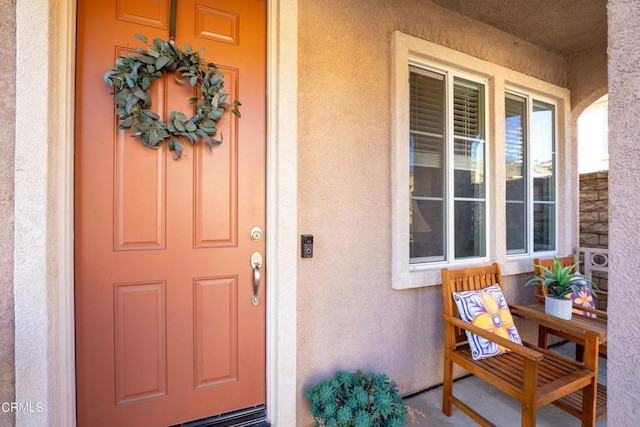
(486, 309)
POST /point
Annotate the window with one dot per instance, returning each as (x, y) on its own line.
(447, 170)
(530, 175)
(474, 155)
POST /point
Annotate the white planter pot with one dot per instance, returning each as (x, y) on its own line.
(558, 307)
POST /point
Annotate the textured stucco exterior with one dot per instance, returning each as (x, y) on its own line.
(624, 215)
(7, 154)
(35, 274)
(587, 78)
(348, 315)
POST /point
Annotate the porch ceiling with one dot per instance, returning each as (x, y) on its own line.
(565, 27)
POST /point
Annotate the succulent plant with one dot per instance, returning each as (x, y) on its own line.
(560, 281)
(357, 399)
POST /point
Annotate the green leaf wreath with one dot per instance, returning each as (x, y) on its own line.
(131, 77)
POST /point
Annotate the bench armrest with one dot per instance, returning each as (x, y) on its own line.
(600, 313)
(519, 349)
(552, 321)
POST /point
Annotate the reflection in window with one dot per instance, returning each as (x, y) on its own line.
(516, 173)
(543, 164)
(530, 202)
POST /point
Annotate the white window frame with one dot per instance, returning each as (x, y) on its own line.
(449, 75)
(530, 98)
(408, 50)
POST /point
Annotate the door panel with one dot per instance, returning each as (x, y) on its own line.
(216, 182)
(139, 205)
(140, 341)
(165, 328)
(216, 331)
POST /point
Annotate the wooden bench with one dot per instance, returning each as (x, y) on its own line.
(544, 331)
(529, 374)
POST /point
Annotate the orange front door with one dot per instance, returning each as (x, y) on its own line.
(166, 331)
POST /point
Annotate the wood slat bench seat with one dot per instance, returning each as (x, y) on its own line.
(572, 403)
(554, 373)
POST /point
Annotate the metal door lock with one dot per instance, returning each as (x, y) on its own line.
(256, 234)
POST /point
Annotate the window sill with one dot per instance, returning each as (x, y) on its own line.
(520, 264)
(423, 275)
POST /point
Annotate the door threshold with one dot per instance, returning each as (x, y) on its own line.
(249, 417)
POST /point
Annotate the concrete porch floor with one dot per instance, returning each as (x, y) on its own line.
(499, 408)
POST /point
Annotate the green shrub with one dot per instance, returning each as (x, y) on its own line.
(357, 400)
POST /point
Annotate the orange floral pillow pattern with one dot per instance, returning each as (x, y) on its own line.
(584, 298)
(486, 309)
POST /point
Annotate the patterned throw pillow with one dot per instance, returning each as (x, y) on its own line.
(488, 310)
(584, 298)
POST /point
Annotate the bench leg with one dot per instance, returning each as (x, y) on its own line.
(542, 336)
(447, 387)
(589, 405)
(589, 393)
(528, 415)
(530, 386)
(579, 353)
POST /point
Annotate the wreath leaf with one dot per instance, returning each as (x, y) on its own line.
(131, 77)
(162, 61)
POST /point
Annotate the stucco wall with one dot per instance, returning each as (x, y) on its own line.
(7, 155)
(624, 215)
(587, 78)
(348, 315)
(39, 288)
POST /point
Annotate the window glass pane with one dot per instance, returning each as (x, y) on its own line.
(469, 169)
(543, 151)
(516, 185)
(427, 165)
(468, 108)
(543, 159)
(469, 142)
(427, 231)
(429, 149)
(516, 227)
(544, 227)
(427, 110)
(469, 223)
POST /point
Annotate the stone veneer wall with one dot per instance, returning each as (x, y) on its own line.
(594, 210)
(594, 220)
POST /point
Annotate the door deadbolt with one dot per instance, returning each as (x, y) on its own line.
(256, 234)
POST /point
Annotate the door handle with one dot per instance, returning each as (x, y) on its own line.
(256, 263)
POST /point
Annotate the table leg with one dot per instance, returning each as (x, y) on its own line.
(590, 393)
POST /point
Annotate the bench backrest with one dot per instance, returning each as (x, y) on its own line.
(466, 279)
